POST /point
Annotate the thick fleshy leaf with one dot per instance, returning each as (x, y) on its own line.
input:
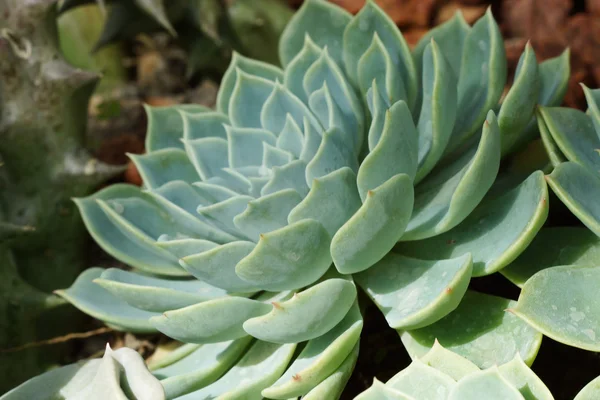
(378, 106)
(481, 80)
(525, 380)
(184, 247)
(561, 303)
(290, 176)
(212, 321)
(453, 365)
(154, 294)
(281, 104)
(332, 200)
(163, 166)
(574, 133)
(438, 108)
(480, 330)
(395, 152)
(221, 214)
(333, 386)
(450, 37)
(332, 116)
(334, 153)
(96, 301)
(180, 200)
(141, 254)
(245, 146)
(205, 125)
(376, 65)
(169, 353)
(422, 382)
(413, 293)
(495, 233)
(591, 391)
(326, 75)
(379, 391)
(322, 21)
(217, 266)
(579, 189)
(56, 383)
(296, 69)
(249, 66)
(267, 213)
(489, 382)
(288, 258)
(137, 381)
(518, 105)
(201, 367)
(374, 229)
(320, 358)
(552, 247)
(593, 99)
(118, 373)
(307, 315)
(208, 155)
(554, 154)
(249, 95)
(450, 194)
(257, 369)
(291, 137)
(372, 19)
(554, 79)
(165, 125)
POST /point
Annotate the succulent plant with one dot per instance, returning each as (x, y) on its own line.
(357, 164)
(207, 29)
(119, 375)
(44, 163)
(442, 374)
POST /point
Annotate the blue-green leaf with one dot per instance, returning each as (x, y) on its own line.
(217, 266)
(495, 233)
(211, 321)
(332, 200)
(165, 126)
(438, 108)
(414, 293)
(579, 189)
(256, 370)
(96, 301)
(518, 105)
(307, 315)
(319, 358)
(322, 21)
(155, 294)
(449, 195)
(481, 80)
(395, 152)
(371, 18)
(267, 213)
(288, 258)
(374, 229)
(201, 367)
(480, 330)
(249, 66)
(162, 166)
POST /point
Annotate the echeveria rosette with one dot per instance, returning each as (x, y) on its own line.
(359, 163)
(442, 374)
(119, 375)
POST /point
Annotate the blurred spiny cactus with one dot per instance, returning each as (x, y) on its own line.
(209, 30)
(43, 112)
